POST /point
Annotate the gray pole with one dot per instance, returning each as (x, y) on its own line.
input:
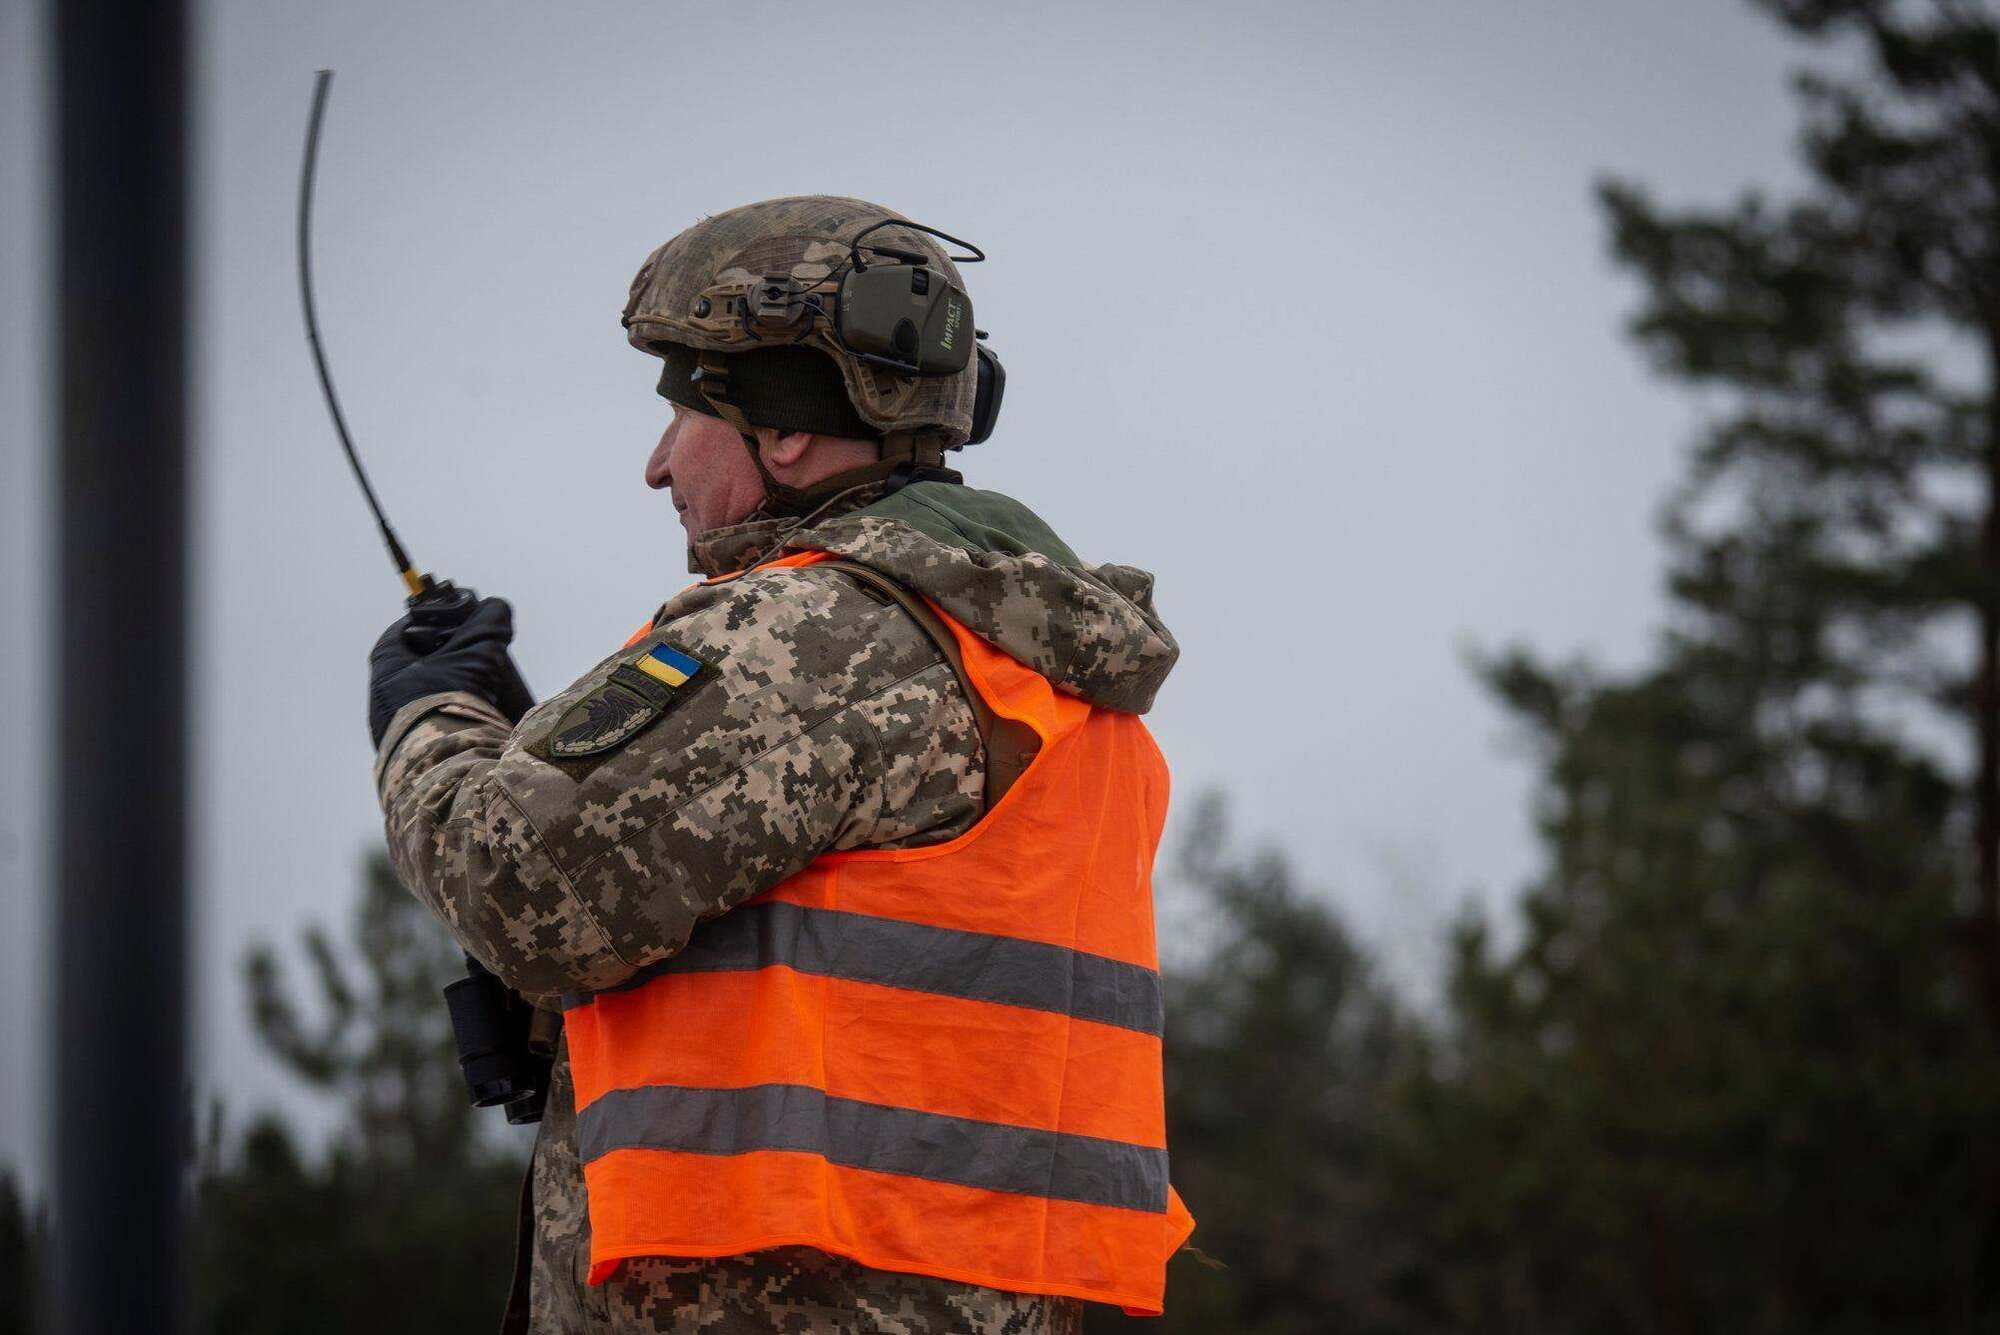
(120, 766)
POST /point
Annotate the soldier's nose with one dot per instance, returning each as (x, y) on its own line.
(658, 474)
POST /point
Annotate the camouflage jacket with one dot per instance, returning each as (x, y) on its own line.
(823, 719)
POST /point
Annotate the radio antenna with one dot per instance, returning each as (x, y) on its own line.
(322, 85)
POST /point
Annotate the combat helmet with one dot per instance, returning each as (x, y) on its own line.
(820, 313)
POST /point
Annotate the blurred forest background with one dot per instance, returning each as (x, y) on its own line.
(1734, 1067)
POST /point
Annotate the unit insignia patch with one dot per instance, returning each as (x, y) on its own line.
(636, 693)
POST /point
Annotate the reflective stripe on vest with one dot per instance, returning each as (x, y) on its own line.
(943, 1060)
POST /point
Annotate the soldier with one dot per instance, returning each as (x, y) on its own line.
(839, 870)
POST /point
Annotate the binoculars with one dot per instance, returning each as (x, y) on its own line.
(505, 1045)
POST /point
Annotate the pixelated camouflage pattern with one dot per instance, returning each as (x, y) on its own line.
(1092, 631)
(800, 1291)
(828, 721)
(733, 548)
(804, 236)
(791, 1289)
(459, 840)
(724, 551)
(558, 1296)
(569, 875)
(831, 722)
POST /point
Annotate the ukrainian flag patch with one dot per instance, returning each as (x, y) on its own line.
(664, 663)
(637, 692)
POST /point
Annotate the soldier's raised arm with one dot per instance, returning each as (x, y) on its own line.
(572, 852)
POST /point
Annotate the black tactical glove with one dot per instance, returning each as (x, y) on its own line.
(470, 655)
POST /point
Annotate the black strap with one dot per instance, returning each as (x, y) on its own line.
(913, 454)
(514, 1321)
(712, 379)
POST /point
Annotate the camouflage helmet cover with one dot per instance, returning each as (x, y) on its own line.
(687, 293)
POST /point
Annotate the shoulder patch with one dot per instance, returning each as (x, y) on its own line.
(636, 693)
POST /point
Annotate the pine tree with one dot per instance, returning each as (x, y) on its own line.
(406, 1221)
(1281, 1043)
(1855, 336)
(1739, 1071)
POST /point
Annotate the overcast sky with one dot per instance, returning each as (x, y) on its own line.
(1304, 307)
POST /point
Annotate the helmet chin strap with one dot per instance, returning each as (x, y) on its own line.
(906, 456)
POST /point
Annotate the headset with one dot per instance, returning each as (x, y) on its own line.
(891, 309)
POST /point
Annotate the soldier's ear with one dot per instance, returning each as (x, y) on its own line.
(782, 449)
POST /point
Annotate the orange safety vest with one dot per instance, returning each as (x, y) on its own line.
(942, 1060)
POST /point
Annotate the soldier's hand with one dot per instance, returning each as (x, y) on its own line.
(413, 660)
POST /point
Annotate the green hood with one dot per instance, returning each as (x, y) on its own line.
(979, 521)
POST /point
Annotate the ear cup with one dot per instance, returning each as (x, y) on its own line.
(986, 403)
